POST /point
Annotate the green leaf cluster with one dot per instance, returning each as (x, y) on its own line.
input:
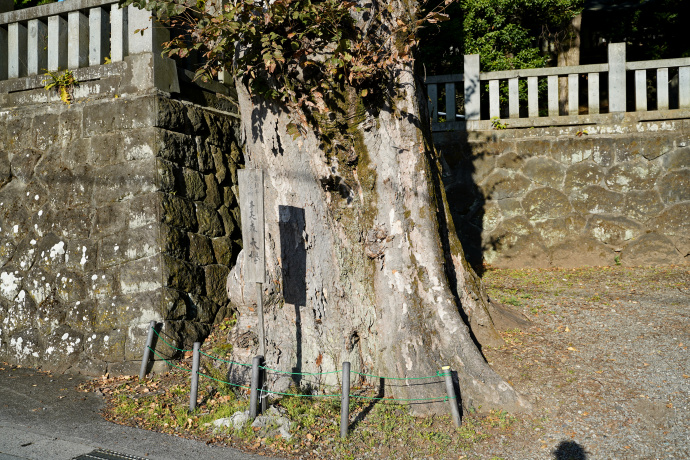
(298, 52)
(507, 34)
(63, 83)
(293, 51)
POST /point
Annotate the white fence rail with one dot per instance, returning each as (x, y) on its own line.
(72, 35)
(476, 103)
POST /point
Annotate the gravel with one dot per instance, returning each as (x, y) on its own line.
(605, 363)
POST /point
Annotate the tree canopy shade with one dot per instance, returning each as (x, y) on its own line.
(507, 34)
(514, 34)
(654, 29)
(363, 261)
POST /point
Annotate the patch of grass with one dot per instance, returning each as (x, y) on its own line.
(383, 427)
(512, 301)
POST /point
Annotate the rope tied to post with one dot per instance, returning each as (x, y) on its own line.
(168, 344)
(298, 373)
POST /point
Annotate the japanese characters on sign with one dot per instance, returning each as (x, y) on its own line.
(251, 183)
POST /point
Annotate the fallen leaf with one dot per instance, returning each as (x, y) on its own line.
(567, 329)
(572, 349)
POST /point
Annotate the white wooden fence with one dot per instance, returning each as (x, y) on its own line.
(474, 107)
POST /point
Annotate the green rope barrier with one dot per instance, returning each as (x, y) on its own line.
(224, 360)
(298, 373)
(445, 398)
(398, 378)
(438, 374)
(439, 398)
(165, 342)
(298, 395)
(265, 391)
(168, 362)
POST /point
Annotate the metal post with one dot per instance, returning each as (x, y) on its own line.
(260, 310)
(262, 343)
(195, 377)
(345, 401)
(452, 400)
(262, 395)
(254, 395)
(147, 351)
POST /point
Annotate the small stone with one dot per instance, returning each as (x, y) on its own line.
(237, 420)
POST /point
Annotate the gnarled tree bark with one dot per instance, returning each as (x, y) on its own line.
(363, 260)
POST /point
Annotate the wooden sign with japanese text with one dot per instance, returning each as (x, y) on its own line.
(251, 183)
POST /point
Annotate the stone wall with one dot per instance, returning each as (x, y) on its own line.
(114, 211)
(572, 196)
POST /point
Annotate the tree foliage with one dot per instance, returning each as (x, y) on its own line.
(293, 51)
(507, 34)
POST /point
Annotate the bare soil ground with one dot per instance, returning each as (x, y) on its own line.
(604, 360)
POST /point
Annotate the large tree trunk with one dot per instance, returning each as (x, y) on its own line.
(362, 258)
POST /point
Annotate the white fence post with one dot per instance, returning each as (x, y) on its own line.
(494, 99)
(99, 44)
(149, 35)
(471, 79)
(513, 98)
(640, 90)
(37, 47)
(573, 94)
(16, 50)
(662, 89)
(552, 81)
(57, 43)
(119, 36)
(78, 40)
(617, 92)
(533, 96)
(593, 92)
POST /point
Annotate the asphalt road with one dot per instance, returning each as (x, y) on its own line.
(43, 417)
